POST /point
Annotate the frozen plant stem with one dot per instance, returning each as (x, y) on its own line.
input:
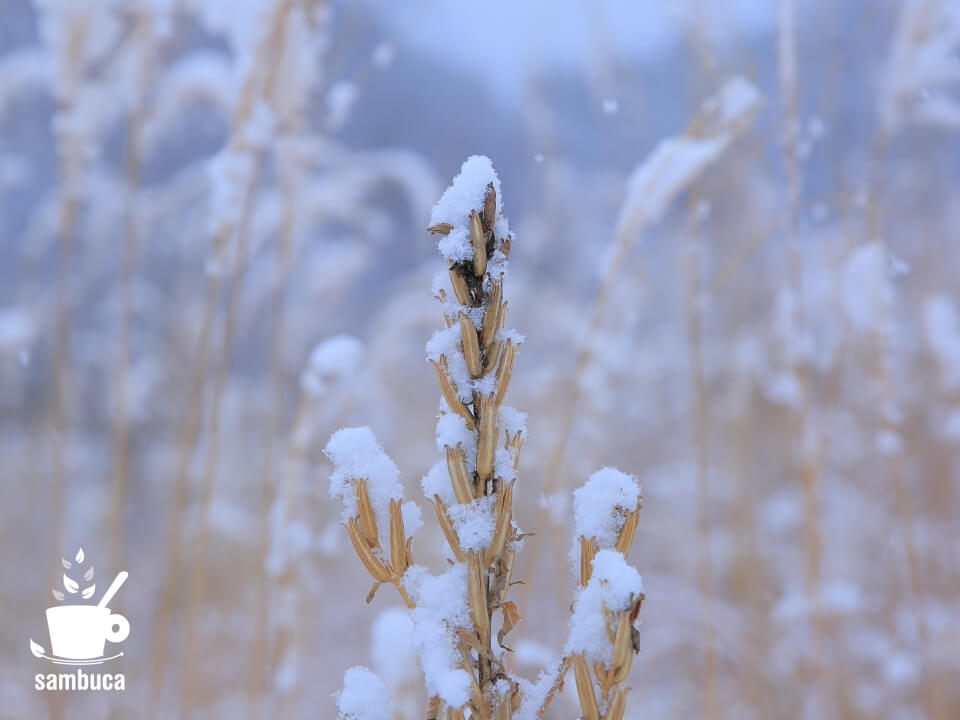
(477, 284)
(456, 615)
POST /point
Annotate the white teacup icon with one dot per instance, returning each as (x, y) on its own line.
(79, 632)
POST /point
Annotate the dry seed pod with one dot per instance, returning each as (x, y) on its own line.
(618, 704)
(487, 440)
(622, 649)
(450, 393)
(440, 229)
(368, 520)
(460, 288)
(479, 245)
(471, 348)
(493, 352)
(370, 561)
(433, 708)
(585, 691)
(446, 526)
(477, 595)
(398, 547)
(491, 316)
(459, 479)
(588, 550)
(505, 370)
(625, 540)
(489, 208)
(503, 516)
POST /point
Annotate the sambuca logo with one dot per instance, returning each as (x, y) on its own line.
(79, 631)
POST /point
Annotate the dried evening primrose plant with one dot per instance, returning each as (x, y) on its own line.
(462, 617)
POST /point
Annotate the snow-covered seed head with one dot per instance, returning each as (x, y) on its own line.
(606, 512)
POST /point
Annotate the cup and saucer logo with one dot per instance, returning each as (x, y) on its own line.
(79, 631)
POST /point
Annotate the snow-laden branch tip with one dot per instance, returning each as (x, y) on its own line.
(678, 161)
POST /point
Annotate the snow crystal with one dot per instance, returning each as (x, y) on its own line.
(598, 505)
(485, 385)
(504, 460)
(441, 608)
(455, 245)
(511, 335)
(452, 431)
(364, 696)
(412, 520)
(444, 343)
(474, 522)
(356, 454)
(613, 586)
(467, 192)
(867, 290)
(535, 694)
(437, 482)
(392, 647)
(512, 421)
(454, 686)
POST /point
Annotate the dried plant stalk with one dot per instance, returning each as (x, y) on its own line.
(476, 274)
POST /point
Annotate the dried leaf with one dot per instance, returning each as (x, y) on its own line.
(59, 596)
(37, 649)
(66, 563)
(88, 592)
(80, 556)
(71, 586)
(510, 619)
(88, 575)
(440, 228)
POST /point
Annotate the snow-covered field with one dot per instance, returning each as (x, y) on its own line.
(729, 317)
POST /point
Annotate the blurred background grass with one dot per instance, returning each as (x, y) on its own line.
(159, 299)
